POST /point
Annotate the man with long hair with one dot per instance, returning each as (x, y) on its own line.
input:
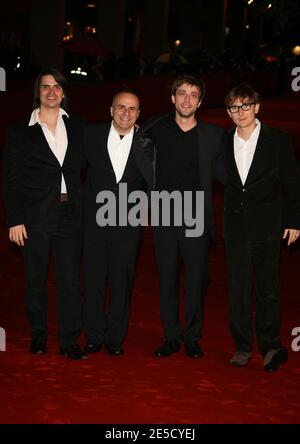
(42, 193)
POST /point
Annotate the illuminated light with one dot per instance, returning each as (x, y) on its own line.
(247, 26)
(177, 43)
(269, 6)
(250, 1)
(66, 38)
(18, 65)
(271, 58)
(296, 50)
(68, 23)
(91, 5)
(78, 72)
(90, 30)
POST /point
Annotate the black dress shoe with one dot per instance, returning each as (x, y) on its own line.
(38, 346)
(92, 348)
(72, 351)
(279, 357)
(167, 348)
(193, 349)
(115, 350)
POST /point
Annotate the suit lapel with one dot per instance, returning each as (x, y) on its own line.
(71, 137)
(131, 155)
(259, 158)
(104, 143)
(40, 140)
(232, 166)
(204, 161)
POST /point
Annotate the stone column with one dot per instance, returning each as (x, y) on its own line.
(155, 27)
(47, 25)
(236, 21)
(201, 24)
(111, 24)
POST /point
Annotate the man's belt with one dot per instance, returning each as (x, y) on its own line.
(64, 197)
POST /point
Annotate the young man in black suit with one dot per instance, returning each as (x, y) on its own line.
(42, 193)
(262, 206)
(115, 159)
(186, 160)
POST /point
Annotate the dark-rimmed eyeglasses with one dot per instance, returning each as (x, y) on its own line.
(236, 108)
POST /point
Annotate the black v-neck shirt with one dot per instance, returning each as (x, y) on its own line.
(177, 156)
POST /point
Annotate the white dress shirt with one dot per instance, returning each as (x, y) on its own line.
(118, 150)
(244, 151)
(57, 141)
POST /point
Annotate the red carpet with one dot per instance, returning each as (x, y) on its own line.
(137, 387)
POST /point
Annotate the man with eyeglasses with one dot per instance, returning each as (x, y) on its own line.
(262, 205)
(114, 157)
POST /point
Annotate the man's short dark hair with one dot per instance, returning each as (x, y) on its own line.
(190, 80)
(242, 91)
(125, 90)
(59, 78)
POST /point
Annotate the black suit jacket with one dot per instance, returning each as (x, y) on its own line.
(269, 201)
(32, 176)
(101, 177)
(211, 167)
(210, 161)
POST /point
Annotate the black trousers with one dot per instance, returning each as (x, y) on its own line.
(109, 264)
(263, 258)
(65, 245)
(171, 246)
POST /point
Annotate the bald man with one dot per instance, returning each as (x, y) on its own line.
(115, 158)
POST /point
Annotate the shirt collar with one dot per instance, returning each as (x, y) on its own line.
(35, 118)
(115, 133)
(253, 135)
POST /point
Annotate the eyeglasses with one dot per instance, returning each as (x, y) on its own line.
(236, 108)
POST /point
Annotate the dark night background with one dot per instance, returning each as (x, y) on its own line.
(132, 38)
(100, 46)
